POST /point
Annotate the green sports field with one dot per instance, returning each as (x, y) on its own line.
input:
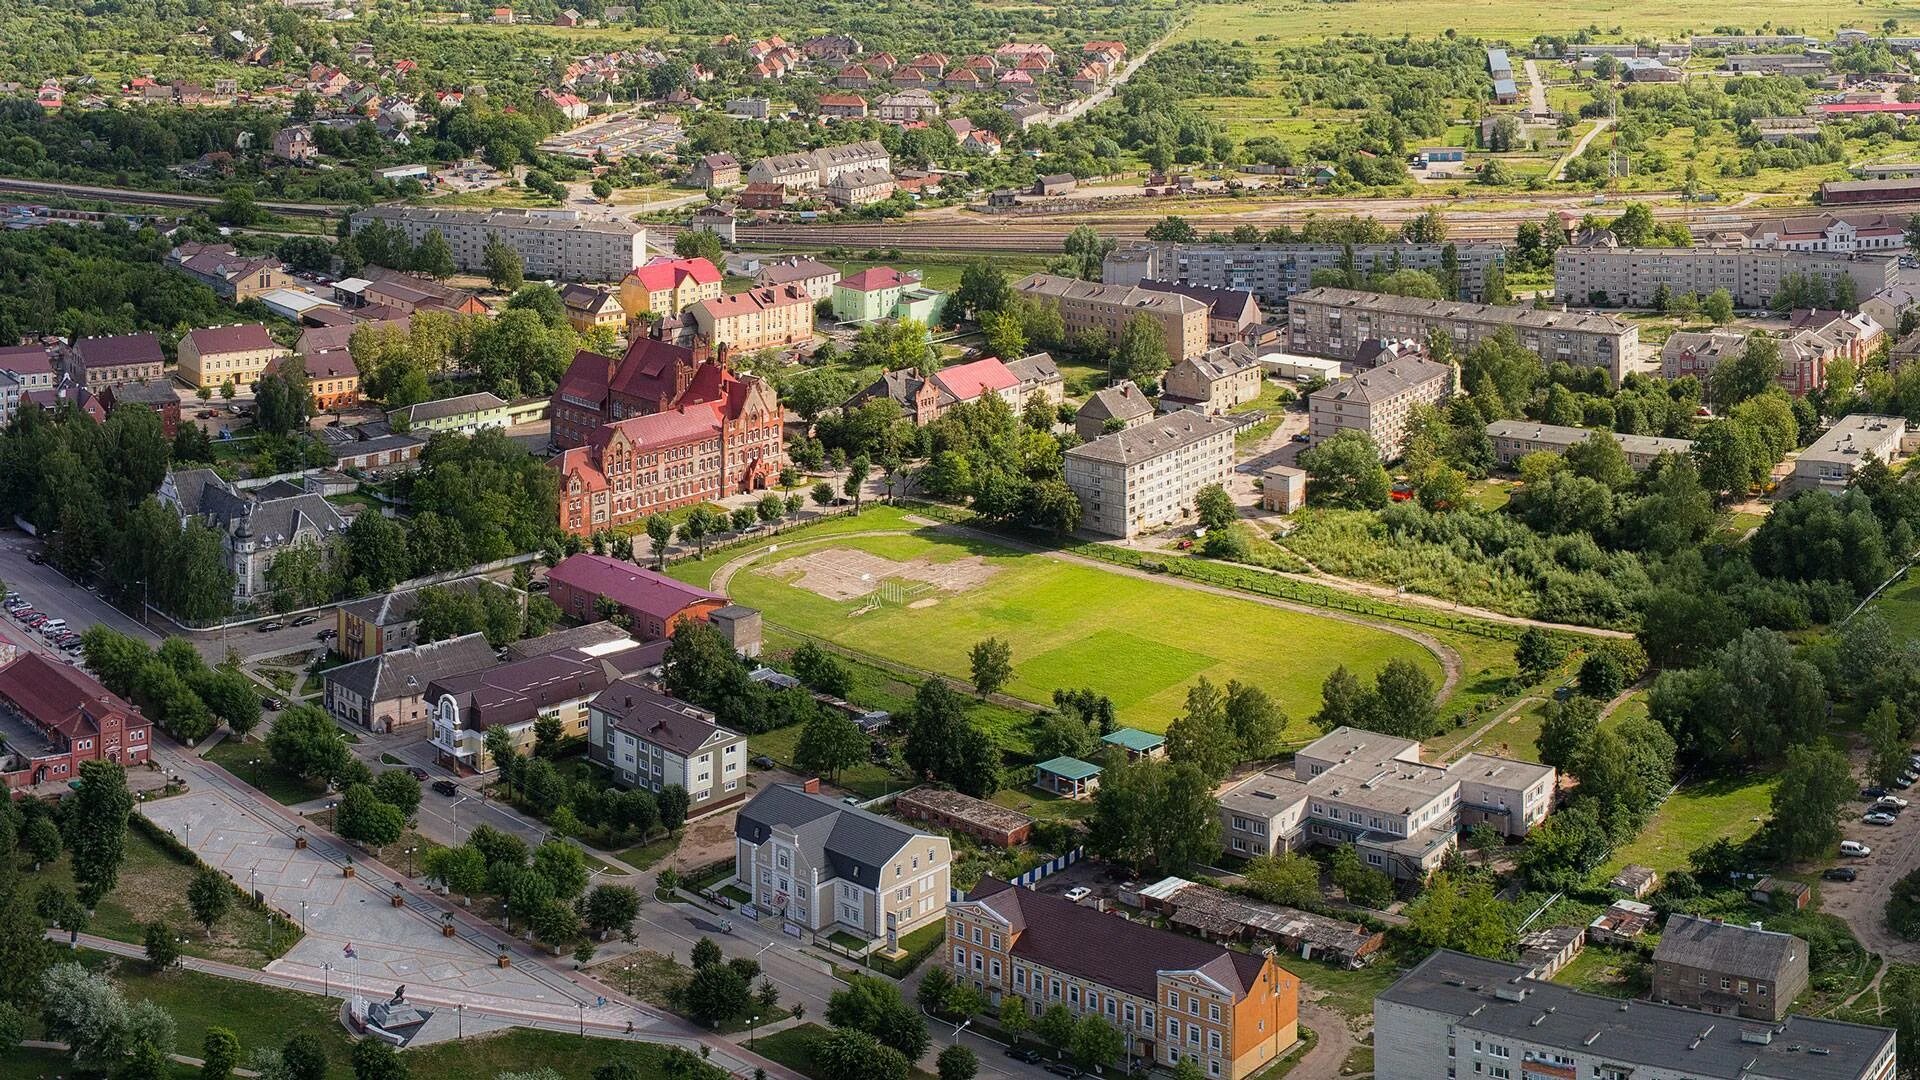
(1141, 642)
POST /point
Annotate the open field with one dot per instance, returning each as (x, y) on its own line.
(1900, 606)
(1289, 21)
(1694, 816)
(1148, 641)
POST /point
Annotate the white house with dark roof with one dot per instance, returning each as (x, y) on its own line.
(255, 525)
(820, 865)
(648, 739)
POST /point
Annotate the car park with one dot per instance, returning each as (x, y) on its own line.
(1879, 818)
(1840, 873)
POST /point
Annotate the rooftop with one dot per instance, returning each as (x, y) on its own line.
(1131, 296)
(1134, 739)
(1157, 437)
(1070, 768)
(854, 843)
(1712, 945)
(961, 807)
(628, 585)
(1450, 309)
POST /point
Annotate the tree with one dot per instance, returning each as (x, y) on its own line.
(1459, 915)
(1086, 251)
(957, 1062)
(699, 244)
(1155, 814)
(1254, 718)
(1362, 884)
(1055, 1026)
(875, 1006)
(1601, 676)
(504, 267)
(1345, 472)
(1718, 306)
(95, 823)
(941, 745)
(856, 483)
(374, 1059)
(1815, 784)
(41, 840)
(660, 534)
(304, 1057)
(1203, 736)
(612, 908)
(1291, 879)
(1886, 750)
(281, 400)
(163, 952)
(462, 869)
(1344, 701)
(1214, 507)
(1095, 1044)
(1536, 653)
(555, 923)
(563, 866)
(984, 288)
(434, 256)
(850, 1054)
(1140, 353)
(674, 803)
(1566, 728)
(704, 954)
(364, 819)
(219, 1053)
(1060, 735)
(830, 742)
(209, 897)
(992, 662)
(821, 671)
(305, 742)
(1402, 701)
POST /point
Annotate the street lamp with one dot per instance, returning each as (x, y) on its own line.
(326, 980)
(410, 852)
(751, 1024)
(582, 1006)
(460, 1020)
(303, 916)
(251, 891)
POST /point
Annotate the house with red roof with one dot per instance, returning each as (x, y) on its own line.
(843, 106)
(761, 318)
(53, 717)
(667, 286)
(655, 603)
(925, 399)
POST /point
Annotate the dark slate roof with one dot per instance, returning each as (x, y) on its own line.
(121, 349)
(857, 845)
(145, 393)
(397, 607)
(273, 521)
(1496, 997)
(1741, 951)
(1123, 400)
(633, 705)
(1037, 368)
(404, 672)
(1055, 932)
(572, 637)
(515, 693)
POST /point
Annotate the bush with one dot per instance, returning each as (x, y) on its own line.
(1903, 907)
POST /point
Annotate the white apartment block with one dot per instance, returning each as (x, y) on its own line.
(1629, 277)
(1337, 322)
(1379, 402)
(1372, 791)
(1274, 272)
(1146, 476)
(1838, 453)
(650, 740)
(558, 244)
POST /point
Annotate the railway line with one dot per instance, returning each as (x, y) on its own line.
(156, 198)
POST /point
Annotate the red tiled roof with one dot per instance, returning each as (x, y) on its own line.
(663, 429)
(628, 585)
(60, 697)
(875, 278)
(756, 300)
(242, 337)
(977, 379)
(26, 359)
(667, 273)
(121, 349)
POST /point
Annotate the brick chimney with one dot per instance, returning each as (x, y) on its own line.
(811, 786)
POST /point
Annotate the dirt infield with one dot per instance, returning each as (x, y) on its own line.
(847, 573)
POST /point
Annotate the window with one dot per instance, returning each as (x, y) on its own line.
(1173, 999)
(1127, 1013)
(1213, 1012)
(1725, 983)
(1193, 1034)
(1213, 1041)
(1193, 1004)
(996, 941)
(994, 969)
(976, 935)
(1173, 1029)
(959, 957)
(1073, 995)
(1213, 1066)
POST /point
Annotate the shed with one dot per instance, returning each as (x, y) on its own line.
(1283, 489)
(1634, 880)
(1781, 892)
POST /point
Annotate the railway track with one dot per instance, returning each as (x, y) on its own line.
(156, 198)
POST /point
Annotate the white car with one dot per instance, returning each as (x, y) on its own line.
(1879, 818)
(1078, 893)
(1894, 801)
(1855, 848)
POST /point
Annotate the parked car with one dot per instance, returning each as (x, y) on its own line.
(416, 772)
(1855, 848)
(1061, 1068)
(272, 703)
(1874, 792)
(445, 787)
(1905, 781)
(270, 626)
(327, 634)
(762, 761)
(306, 620)
(1840, 873)
(1078, 893)
(1025, 1054)
(1892, 803)
(1878, 817)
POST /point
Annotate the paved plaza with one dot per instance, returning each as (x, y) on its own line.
(390, 946)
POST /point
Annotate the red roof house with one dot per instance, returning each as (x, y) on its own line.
(56, 716)
(655, 602)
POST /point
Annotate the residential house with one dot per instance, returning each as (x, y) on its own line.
(843, 106)
(386, 692)
(160, 397)
(718, 220)
(239, 354)
(333, 379)
(1038, 374)
(560, 244)
(647, 739)
(714, 171)
(1173, 997)
(466, 414)
(255, 525)
(390, 621)
(667, 286)
(1515, 439)
(588, 306)
(909, 106)
(57, 717)
(378, 453)
(1114, 408)
(871, 294)
(860, 187)
(1722, 967)
(1339, 322)
(818, 866)
(99, 364)
(224, 270)
(1379, 402)
(1215, 382)
(463, 708)
(924, 399)
(1840, 451)
(1145, 476)
(1233, 315)
(816, 279)
(760, 318)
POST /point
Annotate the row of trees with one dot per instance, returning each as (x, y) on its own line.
(172, 684)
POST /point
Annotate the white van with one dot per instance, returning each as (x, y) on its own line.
(1855, 848)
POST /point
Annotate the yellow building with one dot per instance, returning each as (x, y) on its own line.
(222, 354)
(756, 319)
(669, 286)
(589, 306)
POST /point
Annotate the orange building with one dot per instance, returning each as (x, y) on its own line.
(1173, 997)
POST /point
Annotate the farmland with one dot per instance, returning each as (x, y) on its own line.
(1140, 641)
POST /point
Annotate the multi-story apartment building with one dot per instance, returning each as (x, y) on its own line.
(551, 243)
(1722, 967)
(1145, 476)
(1232, 314)
(669, 286)
(1839, 452)
(1629, 277)
(237, 354)
(1378, 402)
(647, 739)
(387, 692)
(391, 621)
(1214, 382)
(1274, 272)
(818, 168)
(766, 318)
(1460, 1016)
(1338, 322)
(1373, 792)
(819, 865)
(99, 364)
(333, 379)
(815, 278)
(1097, 307)
(1515, 439)
(1174, 998)
(860, 187)
(464, 707)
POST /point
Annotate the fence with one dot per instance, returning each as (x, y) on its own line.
(1033, 876)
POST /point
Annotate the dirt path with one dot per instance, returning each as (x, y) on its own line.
(1336, 1042)
(1450, 663)
(1560, 167)
(1536, 88)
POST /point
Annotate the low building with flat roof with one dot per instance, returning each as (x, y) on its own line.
(1838, 453)
(989, 823)
(1515, 439)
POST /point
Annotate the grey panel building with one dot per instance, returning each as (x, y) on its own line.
(1142, 477)
(551, 243)
(1515, 439)
(1274, 272)
(1378, 402)
(1462, 1016)
(1630, 277)
(1336, 322)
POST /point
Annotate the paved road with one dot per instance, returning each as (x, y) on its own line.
(1560, 167)
(1080, 106)
(1536, 88)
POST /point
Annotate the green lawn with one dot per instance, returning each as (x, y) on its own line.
(520, 1049)
(250, 763)
(1139, 641)
(643, 856)
(152, 887)
(1612, 972)
(791, 1048)
(656, 977)
(1900, 606)
(257, 1015)
(1696, 815)
(1516, 737)
(1351, 992)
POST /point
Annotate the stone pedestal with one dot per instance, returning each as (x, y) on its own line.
(299, 843)
(347, 870)
(447, 930)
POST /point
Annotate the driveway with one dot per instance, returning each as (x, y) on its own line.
(1536, 88)
(1863, 902)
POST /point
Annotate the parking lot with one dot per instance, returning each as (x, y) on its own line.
(1863, 901)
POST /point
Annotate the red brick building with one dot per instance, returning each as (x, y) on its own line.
(54, 716)
(654, 602)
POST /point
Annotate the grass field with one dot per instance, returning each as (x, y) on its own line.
(249, 761)
(1143, 642)
(1694, 816)
(1900, 606)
